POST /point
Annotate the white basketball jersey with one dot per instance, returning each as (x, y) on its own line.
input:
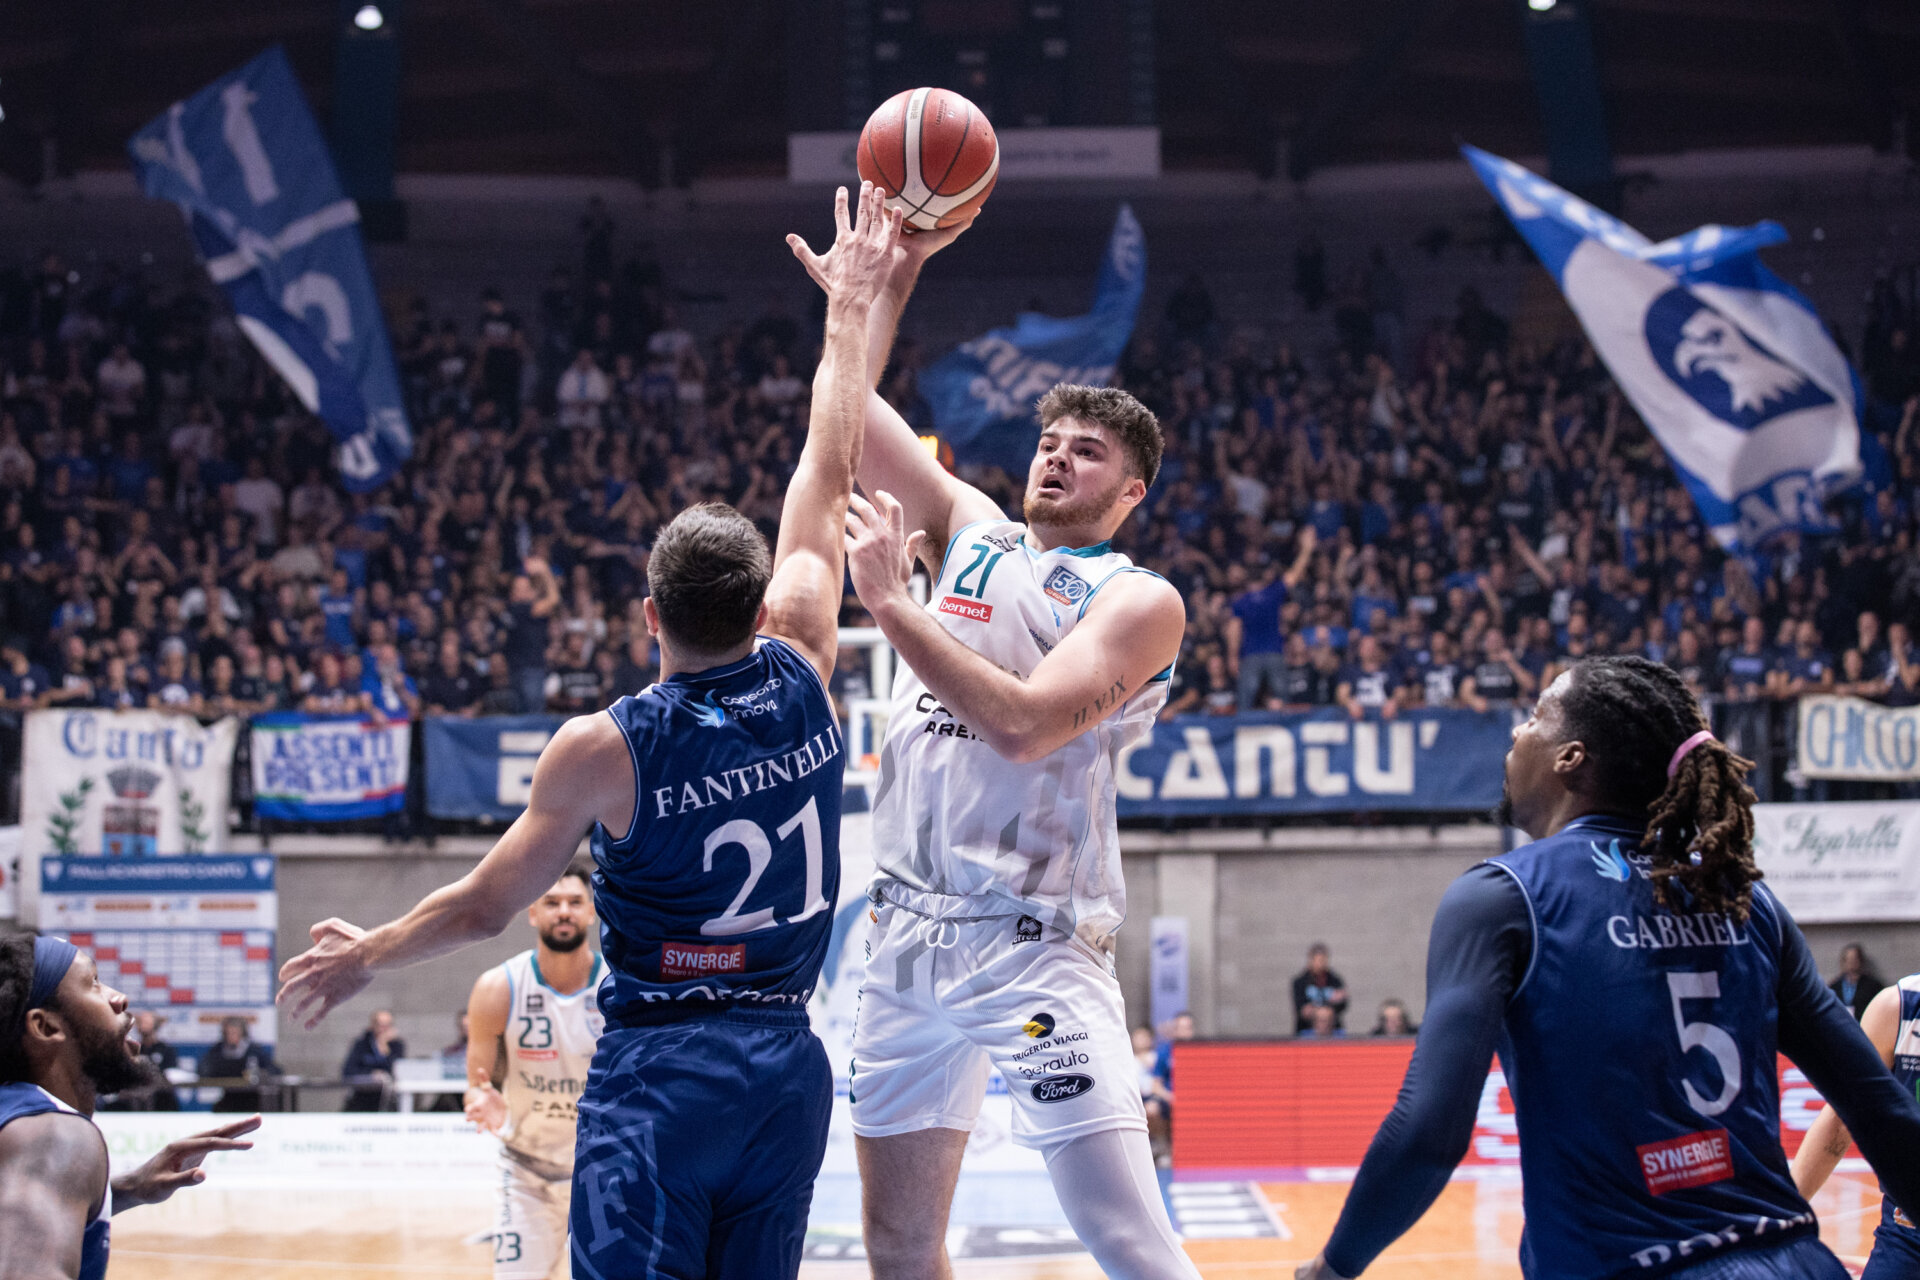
(952, 816)
(550, 1042)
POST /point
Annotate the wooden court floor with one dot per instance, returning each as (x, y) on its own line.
(208, 1234)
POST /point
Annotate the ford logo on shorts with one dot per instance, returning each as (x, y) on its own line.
(1060, 1088)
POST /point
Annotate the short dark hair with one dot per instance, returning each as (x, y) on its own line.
(1118, 412)
(708, 574)
(579, 869)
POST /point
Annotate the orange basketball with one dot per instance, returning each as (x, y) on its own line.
(933, 153)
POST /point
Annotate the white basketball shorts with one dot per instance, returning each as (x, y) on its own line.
(530, 1225)
(943, 1001)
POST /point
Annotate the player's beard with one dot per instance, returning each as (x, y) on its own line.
(554, 942)
(1503, 812)
(1072, 512)
(108, 1060)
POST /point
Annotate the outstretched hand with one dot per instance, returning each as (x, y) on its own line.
(910, 250)
(880, 551)
(860, 262)
(177, 1164)
(330, 972)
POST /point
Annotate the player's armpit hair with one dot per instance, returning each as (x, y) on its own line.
(1632, 715)
(16, 983)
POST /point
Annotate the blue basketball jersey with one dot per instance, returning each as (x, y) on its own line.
(17, 1102)
(1641, 1052)
(721, 893)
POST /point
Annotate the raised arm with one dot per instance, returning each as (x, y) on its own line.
(803, 600)
(585, 775)
(1129, 636)
(892, 457)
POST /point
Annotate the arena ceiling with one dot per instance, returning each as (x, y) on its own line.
(656, 89)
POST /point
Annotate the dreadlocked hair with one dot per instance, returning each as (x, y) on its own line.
(1632, 715)
(16, 984)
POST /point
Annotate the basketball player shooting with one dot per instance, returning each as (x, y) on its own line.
(1639, 983)
(713, 799)
(1043, 653)
(532, 1024)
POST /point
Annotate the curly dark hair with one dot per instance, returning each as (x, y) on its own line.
(16, 984)
(1118, 412)
(1632, 715)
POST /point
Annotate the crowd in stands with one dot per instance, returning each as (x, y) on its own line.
(1446, 517)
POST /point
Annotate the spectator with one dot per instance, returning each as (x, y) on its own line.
(535, 595)
(1858, 981)
(1368, 685)
(236, 1056)
(1253, 634)
(122, 382)
(23, 682)
(1155, 1097)
(1180, 1027)
(390, 693)
(1393, 1020)
(371, 1058)
(1498, 678)
(1316, 987)
(583, 392)
(451, 688)
(1323, 1024)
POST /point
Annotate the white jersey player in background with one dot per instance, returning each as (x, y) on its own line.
(1041, 655)
(533, 1024)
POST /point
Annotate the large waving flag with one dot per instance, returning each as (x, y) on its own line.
(1727, 363)
(245, 162)
(983, 393)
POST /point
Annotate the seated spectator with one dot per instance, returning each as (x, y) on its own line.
(1369, 684)
(236, 1056)
(1858, 981)
(1393, 1020)
(23, 682)
(1317, 987)
(371, 1058)
(1323, 1025)
(174, 689)
(451, 687)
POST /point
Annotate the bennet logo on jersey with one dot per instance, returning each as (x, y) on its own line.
(698, 960)
(1066, 586)
(1061, 1088)
(976, 610)
(1039, 1026)
(1690, 1160)
(1026, 929)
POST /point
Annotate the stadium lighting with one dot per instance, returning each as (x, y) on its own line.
(1541, 6)
(369, 17)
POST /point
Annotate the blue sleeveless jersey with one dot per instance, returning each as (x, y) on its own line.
(721, 894)
(18, 1101)
(1641, 1052)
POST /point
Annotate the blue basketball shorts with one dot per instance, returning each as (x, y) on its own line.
(1803, 1259)
(1896, 1254)
(698, 1144)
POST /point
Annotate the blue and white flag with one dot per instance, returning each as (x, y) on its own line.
(1727, 363)
(247, 165)
(983, 393)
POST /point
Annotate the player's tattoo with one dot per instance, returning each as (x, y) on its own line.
(1102, 703)
(1838, 1144)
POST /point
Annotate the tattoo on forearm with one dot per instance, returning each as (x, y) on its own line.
(1838, 1144)
(1104, 702)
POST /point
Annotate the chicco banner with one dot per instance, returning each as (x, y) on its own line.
(125, 783)
(1851, 738)
(329, 768)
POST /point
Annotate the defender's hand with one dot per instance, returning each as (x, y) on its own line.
(860, 262)
(880, 552)
(177, 1165)
(320, 978)
(485, 1106)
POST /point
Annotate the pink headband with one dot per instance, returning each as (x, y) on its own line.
(1673, 765)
